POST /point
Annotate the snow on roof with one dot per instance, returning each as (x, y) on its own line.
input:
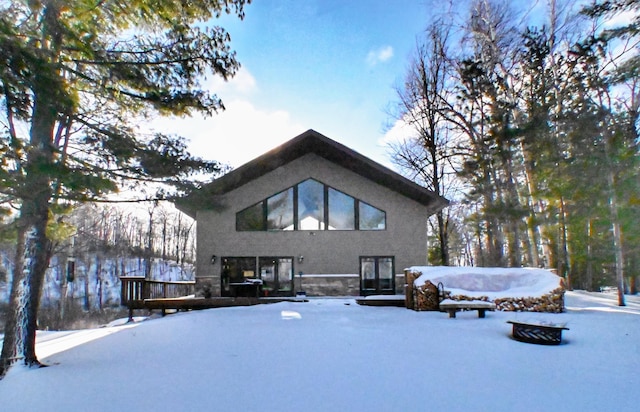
(491, 282)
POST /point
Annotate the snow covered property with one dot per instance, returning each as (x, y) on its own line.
(330, 354)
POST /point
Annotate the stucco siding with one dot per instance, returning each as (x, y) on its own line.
(325, 252)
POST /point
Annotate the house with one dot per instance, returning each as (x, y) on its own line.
(310, 215)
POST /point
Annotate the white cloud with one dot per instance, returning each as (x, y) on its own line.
(242, 83)
(379, 55)
(238, 134)
(235, 136)
(400, 132)
(621, 19)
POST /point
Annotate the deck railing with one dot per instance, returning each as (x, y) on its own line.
(136, 289)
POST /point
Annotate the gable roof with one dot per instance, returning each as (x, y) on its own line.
(312, 142)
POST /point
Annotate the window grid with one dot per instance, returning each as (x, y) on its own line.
(242, 217)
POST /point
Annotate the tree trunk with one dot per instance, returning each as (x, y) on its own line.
(9, 344)
(99, 280)
(589, 273)
(35, 248)
(87, 303)
(564, 269)
(36, 260)
(31, 263)
(443, 238)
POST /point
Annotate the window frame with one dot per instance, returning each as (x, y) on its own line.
(326, 190)
(376, 264)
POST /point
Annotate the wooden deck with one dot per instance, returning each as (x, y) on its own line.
(140, 293)
(382, 300)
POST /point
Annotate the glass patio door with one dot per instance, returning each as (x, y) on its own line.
(377, 275)
(277, 276)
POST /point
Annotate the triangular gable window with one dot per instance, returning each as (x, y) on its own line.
(310, 205)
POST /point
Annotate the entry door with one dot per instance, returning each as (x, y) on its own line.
(277, 276)
(377, 275)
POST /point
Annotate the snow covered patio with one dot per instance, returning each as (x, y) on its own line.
(335, 355)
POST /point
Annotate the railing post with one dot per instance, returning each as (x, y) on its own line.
(123, 292)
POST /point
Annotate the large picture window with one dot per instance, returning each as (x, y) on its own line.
(371, 218)
(341, 211)
(251, 218)
(311, 205)
(280, 211)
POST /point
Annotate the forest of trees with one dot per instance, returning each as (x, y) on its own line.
(528, 121)
(93, 245)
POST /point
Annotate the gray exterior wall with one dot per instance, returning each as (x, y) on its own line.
(326, 253)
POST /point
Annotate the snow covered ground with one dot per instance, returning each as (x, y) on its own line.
(334, 355)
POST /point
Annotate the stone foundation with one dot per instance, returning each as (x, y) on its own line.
(332, 285)
(312, 285)
(207, 287)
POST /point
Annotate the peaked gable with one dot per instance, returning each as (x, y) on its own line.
(313, 142)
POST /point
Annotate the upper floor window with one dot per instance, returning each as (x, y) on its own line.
(311, 205)
(280, 211)
(342, 212)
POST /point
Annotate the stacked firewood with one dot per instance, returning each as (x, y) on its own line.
(410, 289)
(552, 302)
(425, 297)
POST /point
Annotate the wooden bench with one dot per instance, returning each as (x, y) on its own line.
(452, 306)
(539, 333)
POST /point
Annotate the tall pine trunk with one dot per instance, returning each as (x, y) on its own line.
(33, 245)
(9, 346)
(33, 254)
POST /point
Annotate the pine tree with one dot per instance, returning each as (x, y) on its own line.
(79, 74)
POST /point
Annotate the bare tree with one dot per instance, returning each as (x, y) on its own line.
(426, 155)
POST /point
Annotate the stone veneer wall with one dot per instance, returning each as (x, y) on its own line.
(207, 287)
(332, 285)
(313, 285)
(422, 297)
(339, 285)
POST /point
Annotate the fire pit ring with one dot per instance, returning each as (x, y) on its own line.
(538, 333)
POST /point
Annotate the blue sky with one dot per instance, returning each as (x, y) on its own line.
(327, 65)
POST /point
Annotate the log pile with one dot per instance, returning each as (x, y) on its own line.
(409, 289)
(552, 302)
(425, 297)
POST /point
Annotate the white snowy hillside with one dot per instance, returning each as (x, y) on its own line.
(96, 277)
(493, 283)
(335, 355)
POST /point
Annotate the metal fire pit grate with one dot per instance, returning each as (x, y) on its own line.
(538, 333)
